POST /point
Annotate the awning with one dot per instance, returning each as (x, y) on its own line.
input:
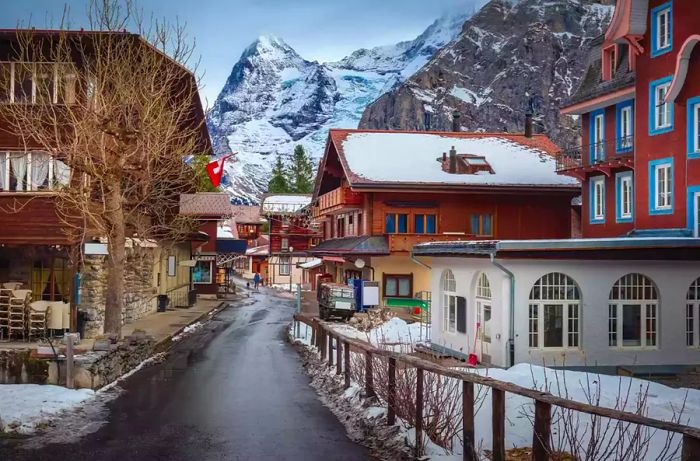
(334, 259)
(311, 264)
(352, 246)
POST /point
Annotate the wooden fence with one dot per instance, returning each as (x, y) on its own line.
(324, 338)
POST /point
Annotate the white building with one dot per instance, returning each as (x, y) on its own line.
(593, 303)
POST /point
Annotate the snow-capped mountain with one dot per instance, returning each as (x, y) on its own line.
(510, 54)
(275, 99)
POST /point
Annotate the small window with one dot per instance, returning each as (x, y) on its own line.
(597, 199)
(284, 265)
(285, 244)
(661, 111)
(449, 302)
(692, 335)
(202, 273)
(172, 266)
(694, 127)
(425, 224)
(5, 82)
(598, 137)
(481, 224)
(664, 187)
(396, 223)
(625, 122)
(23, 83)
(398, 286)
(624, 196)
(662, 29)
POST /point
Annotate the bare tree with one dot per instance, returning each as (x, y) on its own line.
(120, 110)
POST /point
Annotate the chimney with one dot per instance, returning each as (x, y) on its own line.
(444, 157)
(455, 121)
(453, 160)
(528, 125)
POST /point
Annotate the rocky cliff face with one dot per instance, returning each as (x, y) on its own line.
(274, 99)
(510, 54)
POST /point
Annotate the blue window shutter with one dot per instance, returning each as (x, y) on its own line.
(430, 224)
(461, 314)
(390, 227)
(418, 223)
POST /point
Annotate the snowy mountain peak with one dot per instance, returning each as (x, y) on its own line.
(269, 45)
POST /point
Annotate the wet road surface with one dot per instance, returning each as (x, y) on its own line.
(234, 390)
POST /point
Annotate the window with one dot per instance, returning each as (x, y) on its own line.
(41, 83)
(449, 302)
(5, 82)
(597, 200)
(661, 186)
(692, 333)
(284, 244)
(481, 224)
(660, 111)
(425, 224)
(632, 312)
(32, 171)
(396, 223)
(597, 151)
(202, 273)
(172, 266)
(694, 127)
(662, 29)
(398, 285)
(483, 307)
(625, 124)
(554, 320)
(284, 265)
(624, 196)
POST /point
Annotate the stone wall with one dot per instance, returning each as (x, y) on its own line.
(139, 293)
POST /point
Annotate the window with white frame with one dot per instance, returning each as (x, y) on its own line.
(284, 265)
(625, 198)
(663, 29)
(284, 243)
(37, 83)
(633, 312)
(692, 310)
(662, 109)
(32, 171)
(625, 127)
(598, 199)
(483, 306)
(554, 312)
(599, 137)
(694, 126)
(664, 186)
(449, 302)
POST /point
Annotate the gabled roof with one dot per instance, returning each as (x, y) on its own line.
(284, 203)
(409, 159)
(205, 204)
(246, 214)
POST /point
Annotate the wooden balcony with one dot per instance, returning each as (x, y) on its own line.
(339, 200)
(406, 242)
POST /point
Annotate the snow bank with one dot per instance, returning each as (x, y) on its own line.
(393, 332)
(25, 407)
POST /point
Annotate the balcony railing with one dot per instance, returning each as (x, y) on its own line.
(589, 154)
(340, 199)
(31, 171)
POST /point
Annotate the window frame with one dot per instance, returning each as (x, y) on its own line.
(448, 288)
(594, 216)
(58, 82)
(481, 232)
(424, 218)
(552, 282)
(655, 207)
(616, 306)
(285, 262)
(657, 46)
(597, 143)
(624, 126)
(398, 277)
(655, 107)
(693, 127)
(396, 215)
(692, 313)
(621, 179)
(211, 274)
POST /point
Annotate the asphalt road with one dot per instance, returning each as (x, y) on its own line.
(235, 390)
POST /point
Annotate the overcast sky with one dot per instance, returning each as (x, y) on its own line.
(323, 30)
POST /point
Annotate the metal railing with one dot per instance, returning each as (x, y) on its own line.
(586, 154)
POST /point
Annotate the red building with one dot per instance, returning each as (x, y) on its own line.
(639, 104)
(291, 233)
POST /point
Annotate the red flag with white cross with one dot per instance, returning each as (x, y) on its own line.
(215, 169)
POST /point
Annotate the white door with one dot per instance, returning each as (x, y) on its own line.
(483, 319)
(696, 210)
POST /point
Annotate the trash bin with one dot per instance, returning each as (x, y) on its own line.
(163, 303)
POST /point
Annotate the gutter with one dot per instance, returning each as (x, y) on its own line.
(511, 327)
(419, 262)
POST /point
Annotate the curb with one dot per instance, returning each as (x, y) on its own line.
(164, 343)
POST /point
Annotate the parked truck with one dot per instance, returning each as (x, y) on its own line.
(335, 300)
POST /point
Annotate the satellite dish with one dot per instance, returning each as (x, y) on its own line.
(359, 263)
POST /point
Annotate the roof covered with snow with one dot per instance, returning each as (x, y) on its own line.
(205, 204)
(403, 158)
(284, 203)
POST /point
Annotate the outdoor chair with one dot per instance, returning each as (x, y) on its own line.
(5, 296)
(58, 318)
(17, 317)
(38, 317)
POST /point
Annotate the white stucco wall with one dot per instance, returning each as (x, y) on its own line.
(595, 279)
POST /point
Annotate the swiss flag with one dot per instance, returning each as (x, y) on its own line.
(216, 170)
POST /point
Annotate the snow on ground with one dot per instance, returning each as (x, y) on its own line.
(393, 332)
(25, 407)
(188, 330)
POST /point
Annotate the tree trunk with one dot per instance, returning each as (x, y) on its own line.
(116, 261)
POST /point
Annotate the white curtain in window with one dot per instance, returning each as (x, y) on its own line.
(62, 173)
(40, 169)
(19, 169)
(2, 170)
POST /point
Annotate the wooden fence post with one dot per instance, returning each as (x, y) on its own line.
(347, 365)
(540, 435)
(70, 374)
(391, 393)
(323, 337)
(468, 450)
(691, 448)
(498, 403)
(369, 378)
(339, 356)
(419, 413)
(330, 350)
(314, 336)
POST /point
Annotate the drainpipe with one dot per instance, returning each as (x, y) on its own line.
(511, 327)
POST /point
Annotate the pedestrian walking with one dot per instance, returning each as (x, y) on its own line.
(256, 281)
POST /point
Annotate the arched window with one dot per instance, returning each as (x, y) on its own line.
(554, 320)
(483, 306)
(633, 312)
(692, 336)
(449, 301)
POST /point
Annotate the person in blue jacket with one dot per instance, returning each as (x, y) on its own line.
(256, 281)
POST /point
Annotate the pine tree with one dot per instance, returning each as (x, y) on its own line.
(278, 181)
(301, 172)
